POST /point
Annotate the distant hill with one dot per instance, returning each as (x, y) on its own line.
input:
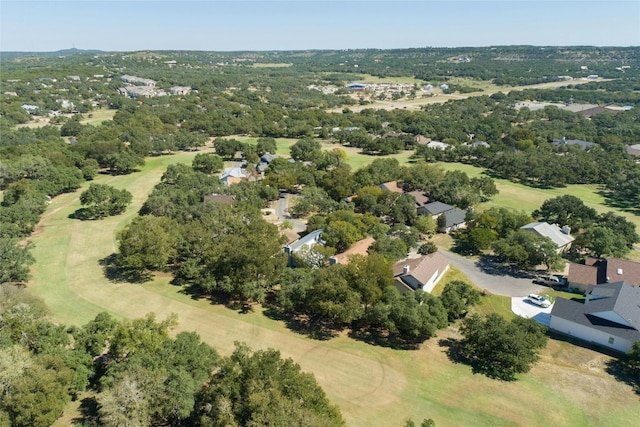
(63, 52)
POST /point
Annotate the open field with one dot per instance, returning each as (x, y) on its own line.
(96, 117)
(374, 386)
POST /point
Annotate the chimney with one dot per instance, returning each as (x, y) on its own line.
(566, 230)
(333, 260)
(405, 269)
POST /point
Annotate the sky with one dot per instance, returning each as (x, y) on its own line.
(119, 25)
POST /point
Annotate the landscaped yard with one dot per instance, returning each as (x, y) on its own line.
(374, 386)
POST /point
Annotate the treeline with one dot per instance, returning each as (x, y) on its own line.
(139, 375)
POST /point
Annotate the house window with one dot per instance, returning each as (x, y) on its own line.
(611, 339)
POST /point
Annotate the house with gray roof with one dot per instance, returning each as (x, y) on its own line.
(580, 143)
(559, 236)
(419, 273)
(308, 241)
(609, 317)
(455, 218)
(634, 150)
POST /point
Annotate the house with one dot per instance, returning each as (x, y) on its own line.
(609, 317)
(393, 186)
(580, 143)
(597, 271)
(559, 236)
(478, 144)
(634, 150)
(225, 199)
(421, 200)
(455, 218)
(232, 176)
(360, 247)
(419, 273)
(308, 241)
(437, 145)
(422, 140)
(180, 90)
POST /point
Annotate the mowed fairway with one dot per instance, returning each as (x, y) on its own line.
(373, 386)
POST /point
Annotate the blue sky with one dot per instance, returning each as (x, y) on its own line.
(27, 25)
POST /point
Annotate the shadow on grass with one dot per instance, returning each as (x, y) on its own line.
(89, 413)
(621, 203)
(117, 274)
(382, 339)
(455, 353)
(302, 325)
(619, 369)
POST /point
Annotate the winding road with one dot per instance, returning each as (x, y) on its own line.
(493, 277)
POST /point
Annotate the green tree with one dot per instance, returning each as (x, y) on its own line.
(15, 261)
(306, 149)
(261, 388)
(602, 241)
(499, 348)
(207, 163)
(147, 243)
(457, 298)
(102, 200)
(527, 250)
(566, 210)
(266, 145)
(341, 235)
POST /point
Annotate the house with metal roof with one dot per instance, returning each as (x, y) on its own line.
(609, 317)
(559, 236)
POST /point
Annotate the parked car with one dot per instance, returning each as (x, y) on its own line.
(539, 300)
(554, 281)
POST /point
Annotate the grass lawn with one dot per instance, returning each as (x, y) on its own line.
(96, 117)
(373, 386)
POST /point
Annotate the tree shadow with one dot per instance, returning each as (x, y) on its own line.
(81, 214)
(453, 349)
(621, 372)
(303, 325)
(490, 264)
(379, 338)
(88, 411)
(116, 274)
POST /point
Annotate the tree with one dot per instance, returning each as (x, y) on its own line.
(566, 210)
(499, 348)
(457, 297)
(147, 243)
(602, 241)
(266, 145)
(261, 388)
(15, 261)
(340, 235)
(207, 163)
(526, 250)
(427, 248)
(306, 149)
(103, 200)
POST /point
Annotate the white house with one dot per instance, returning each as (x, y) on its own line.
(609, 317)
(419, 273)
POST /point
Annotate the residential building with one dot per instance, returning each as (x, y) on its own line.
(226, 199)
(393, 186)
(560, 236)
(634, 150)
(232, 176)
(308, 241)
(597, 271)
(437, 145)
(360, 247)
(578, 142)
(609, 317)
(419, 273)
(455, 218)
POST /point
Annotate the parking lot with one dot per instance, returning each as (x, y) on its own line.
(522, 307)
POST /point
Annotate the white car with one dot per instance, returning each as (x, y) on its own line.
(539, 300)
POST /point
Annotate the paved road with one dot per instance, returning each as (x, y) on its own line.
(492, 277)
(282, 213)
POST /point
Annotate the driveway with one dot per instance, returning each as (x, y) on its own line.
(523, 308)
(493, 277)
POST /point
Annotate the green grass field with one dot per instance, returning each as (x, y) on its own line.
(373, 386)
(98, 116)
